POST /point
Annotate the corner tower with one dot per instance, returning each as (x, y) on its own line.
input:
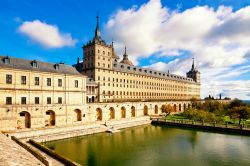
(194, 73)
(97, 55)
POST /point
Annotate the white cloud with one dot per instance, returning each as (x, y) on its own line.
(45, 34)
(218, 39)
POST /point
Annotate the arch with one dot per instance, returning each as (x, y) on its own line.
(50, 118)
(132, 111)
(123, 112)
(111, 113)
(25, 120)
(184, 106)
(175, 109)
(99, 114)
(179, 107)
(145, 110)
(189, 105)
(156, 109)
(78, 115)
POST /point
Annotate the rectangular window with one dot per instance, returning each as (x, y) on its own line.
(48, 100)
(8, 100)
(59, 100)
(8, 79)
(23, 100)
(36, 80)
(48, 81)
(23, 80)
(37, 100)
(76, 83)
(60, 82)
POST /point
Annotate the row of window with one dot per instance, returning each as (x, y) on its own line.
(37, 81)
(37, 100)
(98, 51)
(141, 93)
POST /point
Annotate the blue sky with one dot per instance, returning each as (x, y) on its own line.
(71, 23)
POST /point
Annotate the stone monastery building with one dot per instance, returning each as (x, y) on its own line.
(101, 88)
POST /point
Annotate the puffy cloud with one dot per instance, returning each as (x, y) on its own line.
(217, 38)
(47, 35)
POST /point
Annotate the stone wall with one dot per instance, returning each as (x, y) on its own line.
(58, 116)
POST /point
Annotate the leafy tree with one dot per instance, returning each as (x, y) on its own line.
(236, 103)
(241, 113)
(167, 109)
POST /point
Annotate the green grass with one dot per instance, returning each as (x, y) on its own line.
(175, 117)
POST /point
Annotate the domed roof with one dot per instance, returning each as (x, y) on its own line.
(125, 59)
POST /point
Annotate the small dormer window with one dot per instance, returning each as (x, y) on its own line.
(34, 64)
(122, 66)
(115, 65)
(57, 66)
(145, 71)
(6, 60)
(128, 67)
(139, 69)
(150, 72)
(134, 69)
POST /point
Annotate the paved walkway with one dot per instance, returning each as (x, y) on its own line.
(11, 154)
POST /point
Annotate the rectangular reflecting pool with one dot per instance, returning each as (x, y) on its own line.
(156, 146)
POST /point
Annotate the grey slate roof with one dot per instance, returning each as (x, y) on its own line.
(117, 66)
(24, 64)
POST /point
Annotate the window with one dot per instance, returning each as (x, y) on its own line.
(23, 100)
(48, 81)
(8, 100)
(59, 100)
(34, 64)
(23, 80)
(60, 82)
(48, 100)
(76, 83)
(8, 79)
(36, 80)
(6, 60)
(57, 66)
(37, 100)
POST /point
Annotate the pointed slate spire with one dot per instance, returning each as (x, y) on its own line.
(193, 65)
(125, 55)
(97, 31)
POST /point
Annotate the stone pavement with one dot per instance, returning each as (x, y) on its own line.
(11, 154)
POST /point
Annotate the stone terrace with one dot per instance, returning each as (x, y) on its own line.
(11, 154)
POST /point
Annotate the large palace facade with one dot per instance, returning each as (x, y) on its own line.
(102, 88)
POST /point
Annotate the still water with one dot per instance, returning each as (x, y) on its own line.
(156, 146)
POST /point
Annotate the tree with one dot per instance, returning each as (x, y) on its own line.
(241, 113)
(167, 109)
(236, 103)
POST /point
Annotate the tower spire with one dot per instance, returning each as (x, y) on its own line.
(125, 56)
(193, 64)
(97, 32)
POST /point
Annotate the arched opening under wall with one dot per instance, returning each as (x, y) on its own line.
(189, 105)
(24, 120)
(111, 113)
(132, 111)
(50, 118)
(179, 107)
(156, 109)
(184, 106)
(78, 115)
(175, 109)
(145, 110)
(123, 112)
(99, 114)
